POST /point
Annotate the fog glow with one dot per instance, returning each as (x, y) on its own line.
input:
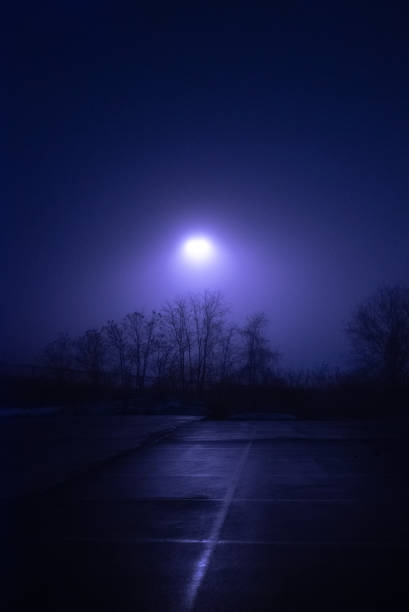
(198, 249)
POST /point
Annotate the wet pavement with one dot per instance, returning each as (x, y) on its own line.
(37, 452)
(229, 516)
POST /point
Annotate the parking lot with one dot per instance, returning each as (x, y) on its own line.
(231, 516)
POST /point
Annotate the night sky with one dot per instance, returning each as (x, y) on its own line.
(281, 133)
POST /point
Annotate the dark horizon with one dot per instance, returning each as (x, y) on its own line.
(280, 133)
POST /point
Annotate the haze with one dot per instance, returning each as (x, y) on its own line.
(280, 133)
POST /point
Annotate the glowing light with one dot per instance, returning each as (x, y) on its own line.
(198, 249)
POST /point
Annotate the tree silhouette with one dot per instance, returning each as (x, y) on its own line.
(379, 334)
(91, 354)
(188, 346)
(116, 341)
(194, 326)
(58, 355)
(258, 356)
(140, 333)
(208, 317)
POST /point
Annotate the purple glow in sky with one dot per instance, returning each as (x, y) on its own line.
(198, 250)
(157, 153)
(197, 260)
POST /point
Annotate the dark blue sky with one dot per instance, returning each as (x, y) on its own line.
(280, 132)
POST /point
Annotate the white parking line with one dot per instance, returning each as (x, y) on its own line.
(203, 563)
(292, 543)
(247, 500)
(301, 500)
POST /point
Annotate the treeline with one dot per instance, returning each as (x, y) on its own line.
(189, 345)
(192, 344)
(190, 351)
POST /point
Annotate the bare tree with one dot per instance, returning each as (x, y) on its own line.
(207, 313)
(177, 318)
(194, 327)
(116, 341)
(379, 334)
(228, 353)
(189, 345)
(140, 333)
(59, 355)
(258, 356)
(91, 353)
(151, 325)
(162, 352)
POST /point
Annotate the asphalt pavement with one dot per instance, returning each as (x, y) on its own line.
(225, 516)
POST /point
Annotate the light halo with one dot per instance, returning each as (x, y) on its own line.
(198, 249)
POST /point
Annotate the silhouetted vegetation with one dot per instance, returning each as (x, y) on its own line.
(188, 346)
(379, 335)
(190, 354)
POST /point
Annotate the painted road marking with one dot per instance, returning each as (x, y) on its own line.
(203, 563)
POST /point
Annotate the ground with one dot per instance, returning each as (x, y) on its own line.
(194, 515)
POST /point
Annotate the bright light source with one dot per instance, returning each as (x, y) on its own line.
(198, 249)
